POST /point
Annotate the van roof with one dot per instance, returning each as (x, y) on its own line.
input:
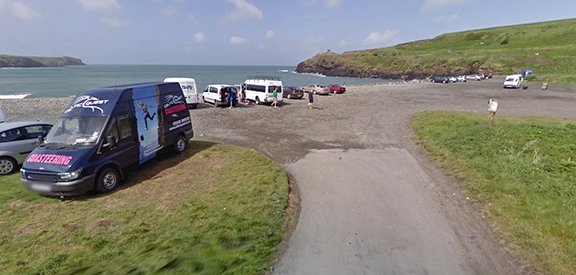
(179, 79)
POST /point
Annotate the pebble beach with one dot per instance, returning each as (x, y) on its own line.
(44, 109)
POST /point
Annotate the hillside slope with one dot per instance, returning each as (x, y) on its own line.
(34, 61)
(548, 48)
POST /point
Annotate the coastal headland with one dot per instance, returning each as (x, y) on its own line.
(11, 61)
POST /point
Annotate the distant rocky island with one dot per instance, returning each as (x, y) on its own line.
(11, 61)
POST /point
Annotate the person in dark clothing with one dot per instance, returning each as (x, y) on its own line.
(231, 97)
(311, 100)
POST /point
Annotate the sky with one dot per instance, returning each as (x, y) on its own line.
(244, 32)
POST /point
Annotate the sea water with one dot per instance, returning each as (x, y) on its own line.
(70, 80)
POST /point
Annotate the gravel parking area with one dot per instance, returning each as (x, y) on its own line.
(418, 223)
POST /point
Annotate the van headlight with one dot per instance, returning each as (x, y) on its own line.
(68, 176)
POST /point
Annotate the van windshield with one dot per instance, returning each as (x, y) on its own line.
(76, 130)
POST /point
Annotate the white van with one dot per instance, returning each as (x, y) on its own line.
(217, 94)
(259, 89)
(188, 86)
(513, 81)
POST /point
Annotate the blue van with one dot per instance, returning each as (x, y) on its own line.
(102, 133)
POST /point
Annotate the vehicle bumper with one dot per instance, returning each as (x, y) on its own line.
(68, 188)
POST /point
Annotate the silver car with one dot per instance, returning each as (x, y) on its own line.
(17, 140)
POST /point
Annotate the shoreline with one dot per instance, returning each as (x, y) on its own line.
(49, 109)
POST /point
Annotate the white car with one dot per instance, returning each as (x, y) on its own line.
(474, 77)
(514, 81)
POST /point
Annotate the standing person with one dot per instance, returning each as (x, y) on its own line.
(231, 97)
(311, 100)
(274, 97)
(492, 107)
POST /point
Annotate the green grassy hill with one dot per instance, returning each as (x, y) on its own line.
(547, 48)
(36, 61)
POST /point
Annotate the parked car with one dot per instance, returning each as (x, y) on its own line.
(474, 77)
(217, 94)
(440, 79)
(317, 89)
(292, 92)
(17, 140)
(337, 89)
(513, 81)
(461, 78)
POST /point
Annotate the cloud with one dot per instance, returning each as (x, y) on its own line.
(446, 19)
(199, 37)
(170, 12)
(379, 39)
(21, 11)
(243, 11)
(432, 5)
(101, 5)
(237, 40)
(328, 3)
(333, 3)
(114, 22)
(270, 35)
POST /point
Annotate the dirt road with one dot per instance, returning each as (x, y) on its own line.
(371, 201)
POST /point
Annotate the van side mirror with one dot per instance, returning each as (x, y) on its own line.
(41, 139)
(110, 142)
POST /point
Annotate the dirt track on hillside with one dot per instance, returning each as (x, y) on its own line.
(371, 201)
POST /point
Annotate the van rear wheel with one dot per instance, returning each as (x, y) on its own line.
(180, 144)
(107, 180)
(258, 101)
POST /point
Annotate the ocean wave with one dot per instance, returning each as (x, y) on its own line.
(14, 96)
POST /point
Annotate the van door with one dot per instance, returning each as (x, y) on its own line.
(125, 151)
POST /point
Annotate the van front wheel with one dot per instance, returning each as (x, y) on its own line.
(258, 101)
(180, 145)
(107, 180)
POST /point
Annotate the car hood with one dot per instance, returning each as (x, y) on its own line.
(57, 159)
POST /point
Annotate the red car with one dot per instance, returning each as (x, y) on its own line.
(337, 89)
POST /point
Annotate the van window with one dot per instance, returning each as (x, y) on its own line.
(257, 88)
(76, 130)
(124, 126)
(113, 131)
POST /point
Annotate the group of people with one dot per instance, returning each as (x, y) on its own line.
(231, 98)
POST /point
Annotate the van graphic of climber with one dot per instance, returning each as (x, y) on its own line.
(146, 114)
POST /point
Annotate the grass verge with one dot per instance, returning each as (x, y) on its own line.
(523, 170)
(216, 209)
